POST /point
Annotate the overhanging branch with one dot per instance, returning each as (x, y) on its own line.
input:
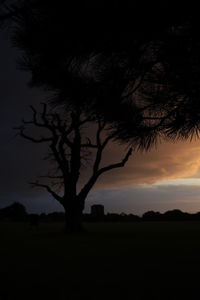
(32, 139)
(116, 165)
(96, 173)
(45, 186)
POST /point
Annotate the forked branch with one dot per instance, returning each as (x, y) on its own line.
(33, 139)
(116, 165)
(47, 187)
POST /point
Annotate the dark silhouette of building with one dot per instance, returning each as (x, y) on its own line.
(97, 210)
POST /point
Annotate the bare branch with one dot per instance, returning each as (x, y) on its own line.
(101, 126)
(32, 139)
(116, 165)
(62, 128)
(67, 141)
(45, 186)
(58, 138)
(108, 139)
(89, 144)
(51, 177)
(35, 121)
(96, 173)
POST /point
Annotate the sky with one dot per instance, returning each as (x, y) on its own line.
(165, 178)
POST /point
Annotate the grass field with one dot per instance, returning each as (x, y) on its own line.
(111, 261)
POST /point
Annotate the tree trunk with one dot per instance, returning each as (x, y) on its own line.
(73, 216)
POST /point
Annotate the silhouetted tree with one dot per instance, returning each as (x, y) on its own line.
(143, 62)
(176, 215)
(138, 68)
(69, 147)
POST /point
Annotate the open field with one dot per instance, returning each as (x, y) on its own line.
(141, 260)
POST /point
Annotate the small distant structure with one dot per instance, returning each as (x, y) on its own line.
(97, 210)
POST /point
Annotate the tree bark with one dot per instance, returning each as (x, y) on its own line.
(73, 216)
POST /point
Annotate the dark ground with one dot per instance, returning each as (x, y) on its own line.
(144, 260)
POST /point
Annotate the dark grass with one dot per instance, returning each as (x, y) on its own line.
(144, 260)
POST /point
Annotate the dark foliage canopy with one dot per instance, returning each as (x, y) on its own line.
(137, 63)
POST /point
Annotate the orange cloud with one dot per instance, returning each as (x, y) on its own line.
(166, 161)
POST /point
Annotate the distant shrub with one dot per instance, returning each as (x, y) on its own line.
(14, 212)
(152, 216)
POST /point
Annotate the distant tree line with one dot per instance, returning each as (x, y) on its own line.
(16, 212)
